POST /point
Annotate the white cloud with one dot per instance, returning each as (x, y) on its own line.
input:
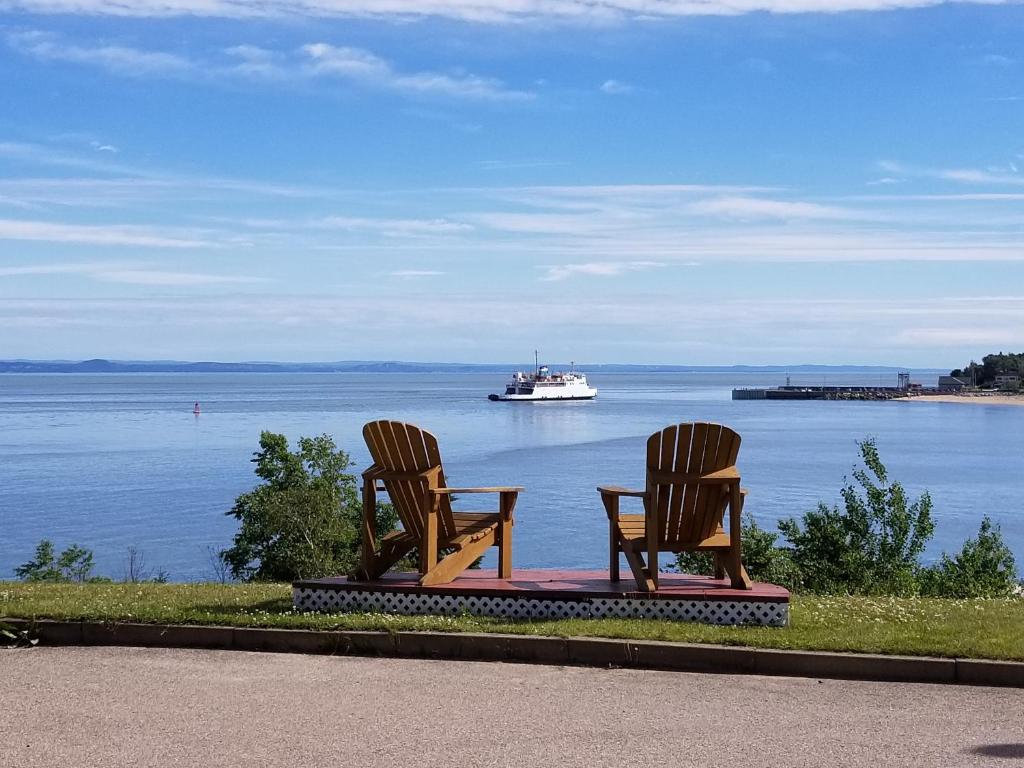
(506, 165)
(393, 227)
(975, 176)
(998, 175)
(413, 273)
(652, 327)
(165, 278)
(257, 63)
(997, 60)
(127, 235)
(758, 208)
(122, 60)
(365, 67)
(616, 87)
(597, 269)
(479, 11)
(311, 61)
(126, 273)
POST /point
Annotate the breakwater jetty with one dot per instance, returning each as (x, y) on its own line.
(903, 388)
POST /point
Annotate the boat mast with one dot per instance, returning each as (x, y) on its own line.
(536, 364)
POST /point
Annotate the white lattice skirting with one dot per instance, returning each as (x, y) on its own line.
(732, 612)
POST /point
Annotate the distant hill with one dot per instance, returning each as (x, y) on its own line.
(394, 366)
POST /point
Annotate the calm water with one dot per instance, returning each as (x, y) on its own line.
(112, 461)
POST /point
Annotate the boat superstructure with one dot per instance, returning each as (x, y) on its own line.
(542, 384)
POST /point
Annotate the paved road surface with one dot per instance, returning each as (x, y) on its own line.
(85, 707)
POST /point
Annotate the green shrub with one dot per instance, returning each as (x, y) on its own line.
(984, 567)
(763, 560)
(73, 564)
(303, 521)
(870, 546)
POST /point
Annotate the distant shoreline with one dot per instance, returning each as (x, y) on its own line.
(398, 366)
(967, 399)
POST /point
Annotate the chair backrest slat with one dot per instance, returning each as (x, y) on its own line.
(403, 448)
(688, 511)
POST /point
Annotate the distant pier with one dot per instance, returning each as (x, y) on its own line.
(797, 392)
(820, 393)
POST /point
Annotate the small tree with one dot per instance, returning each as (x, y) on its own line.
(303, 521)
(73, 564)
(984, 567)
(872, 545)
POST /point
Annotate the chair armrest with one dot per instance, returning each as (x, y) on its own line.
(507, 503)
(615, 490)
(496, 489)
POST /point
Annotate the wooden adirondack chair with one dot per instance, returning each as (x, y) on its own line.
(407, 463)
(691, 480)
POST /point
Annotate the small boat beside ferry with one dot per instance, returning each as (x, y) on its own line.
(542, 384)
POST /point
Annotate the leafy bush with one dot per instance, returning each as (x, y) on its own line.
(870, 546)
(303, 521)
(73, 564)
(984, 567)
(763, 560)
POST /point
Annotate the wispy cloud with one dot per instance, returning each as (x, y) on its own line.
(165, 278)
(597, 269)
(479, 11)
(978, 176)
(393, 227)
(505, 165)
(119, 235)
(310, 62)
(39, 154)
(997, 60)
(362, 66)
(713, 329)
(759, 208)
(414, 273)
(127, 274)
(121, 60)
(616, 87)
(1007, 174)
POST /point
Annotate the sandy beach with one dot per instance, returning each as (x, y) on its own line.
(968, 399)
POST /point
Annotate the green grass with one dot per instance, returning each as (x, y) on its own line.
(991, 629)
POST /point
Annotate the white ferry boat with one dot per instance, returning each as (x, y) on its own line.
(544, 385)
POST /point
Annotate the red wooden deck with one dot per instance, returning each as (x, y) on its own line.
(559, 585)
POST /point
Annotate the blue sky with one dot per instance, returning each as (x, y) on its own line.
(751, 181)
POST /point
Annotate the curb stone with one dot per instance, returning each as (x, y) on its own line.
(580, 651)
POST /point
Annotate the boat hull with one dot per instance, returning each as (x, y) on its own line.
(536, 399)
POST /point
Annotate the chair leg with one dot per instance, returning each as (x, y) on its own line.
(428, 547)
(381, 561)
(737, 573)
(613, 552)
(651, 526)
(455, 563)
(505, 549)
(640, 572)
(719, 567)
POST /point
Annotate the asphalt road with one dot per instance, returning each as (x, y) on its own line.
(85, 707)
